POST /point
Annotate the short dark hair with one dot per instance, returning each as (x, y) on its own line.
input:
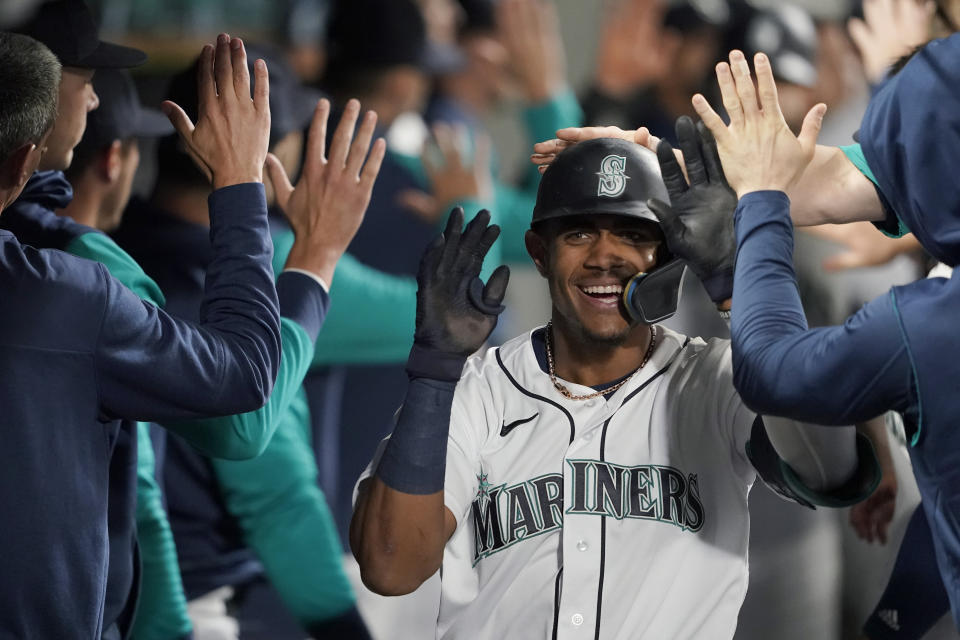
(29, 90)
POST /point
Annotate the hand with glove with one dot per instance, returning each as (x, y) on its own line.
(456, 312)
(698, 222)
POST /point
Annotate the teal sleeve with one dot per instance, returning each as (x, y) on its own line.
(101, 248)
(514, 210)
(513, 205)
(372, 314)
(543, 120)
(854, 153)
(286, 521)
(243, 436)
(162, 609)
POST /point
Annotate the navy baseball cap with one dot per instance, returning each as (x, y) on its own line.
(68, 29)
(120, 114)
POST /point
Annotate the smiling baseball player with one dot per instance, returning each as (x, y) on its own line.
(588, 479)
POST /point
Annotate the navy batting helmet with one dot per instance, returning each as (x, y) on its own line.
(614, 176)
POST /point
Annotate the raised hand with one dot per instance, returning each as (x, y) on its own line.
(453, 177)
(530, 31)
(758, 150)
(230, 139)
(634, 49)
(326, 207)
(890, 30)
(698, 222)
(456, 312)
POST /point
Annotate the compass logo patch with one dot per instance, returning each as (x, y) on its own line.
(613, 180)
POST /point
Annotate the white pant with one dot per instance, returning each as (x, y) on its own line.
(209, 616)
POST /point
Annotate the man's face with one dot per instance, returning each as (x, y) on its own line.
(588, 261)
(116, 200)
(77, 98)
(407, 87)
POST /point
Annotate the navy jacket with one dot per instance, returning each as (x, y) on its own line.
(900, 352)
(82, 351)
(911, 139)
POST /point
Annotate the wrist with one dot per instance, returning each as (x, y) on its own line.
(432, 363)
(220, 181)
(719, 285)
(320, 261)
(745, 191)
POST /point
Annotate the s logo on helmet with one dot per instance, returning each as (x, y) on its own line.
(613, 180)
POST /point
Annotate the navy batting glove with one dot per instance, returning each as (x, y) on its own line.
(698, 222)
(456, 311)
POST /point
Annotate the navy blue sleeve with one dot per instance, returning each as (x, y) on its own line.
(153, 367)
(830, 375)
(303, 300)
(915, 598)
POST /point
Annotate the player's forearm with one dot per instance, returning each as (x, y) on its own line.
(779, 364)
(151, 366)
(833, 190)
(397, 538)
(398, 531)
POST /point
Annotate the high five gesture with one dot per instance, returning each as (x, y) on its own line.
(757, 148)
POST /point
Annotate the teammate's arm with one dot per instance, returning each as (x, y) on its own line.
(833, 190)
(779, 365)
(400, 524)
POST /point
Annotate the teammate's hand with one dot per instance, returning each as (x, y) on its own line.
(453, 176)
(890, 30)
(326, 207)
(455, 311)
(530, 30)
(871, 518)
(758, 150)
(545, 152)
(698, 222)
(230, 139)
(634, 49)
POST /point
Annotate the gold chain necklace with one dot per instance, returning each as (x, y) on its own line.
(559, 386)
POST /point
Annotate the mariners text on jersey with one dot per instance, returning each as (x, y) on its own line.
(505, 515)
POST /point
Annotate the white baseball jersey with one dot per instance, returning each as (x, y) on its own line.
(620, 518)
